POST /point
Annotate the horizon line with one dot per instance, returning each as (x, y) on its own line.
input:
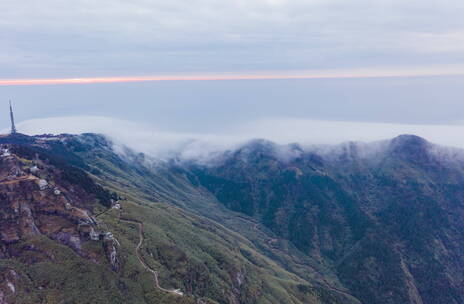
(357, 74)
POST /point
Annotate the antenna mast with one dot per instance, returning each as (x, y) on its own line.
(13, 127)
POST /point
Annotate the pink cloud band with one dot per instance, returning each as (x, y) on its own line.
(318, 75)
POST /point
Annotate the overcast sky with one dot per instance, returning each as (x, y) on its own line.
(419, 45)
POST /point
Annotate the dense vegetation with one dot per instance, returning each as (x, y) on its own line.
(254, 227)
(390, 224)
(204, 259)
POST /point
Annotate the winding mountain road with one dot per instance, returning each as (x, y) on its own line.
(140, 258)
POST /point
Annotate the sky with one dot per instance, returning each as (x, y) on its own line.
(207, 67)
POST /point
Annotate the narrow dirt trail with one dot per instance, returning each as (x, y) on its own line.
(145, 265)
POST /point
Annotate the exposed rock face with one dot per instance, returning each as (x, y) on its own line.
(30, 208)
(37, 199)
(112, 254)
(9, 280)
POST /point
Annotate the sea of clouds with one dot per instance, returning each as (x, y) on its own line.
(164, 144)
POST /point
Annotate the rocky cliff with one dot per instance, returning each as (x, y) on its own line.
(40, 200)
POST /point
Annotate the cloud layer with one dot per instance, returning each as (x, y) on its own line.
(101, 40)
(50, 38)
(164, 144)
(378, 72)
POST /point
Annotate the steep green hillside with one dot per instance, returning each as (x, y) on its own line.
(355, 223)
(139, 176)
(56, 259)
(389, 224)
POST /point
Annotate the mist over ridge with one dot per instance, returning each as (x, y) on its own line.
(356, 200)
(289, 137)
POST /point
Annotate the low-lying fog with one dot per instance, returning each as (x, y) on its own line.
(149, 139)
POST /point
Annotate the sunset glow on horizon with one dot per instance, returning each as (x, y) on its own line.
(223, 77)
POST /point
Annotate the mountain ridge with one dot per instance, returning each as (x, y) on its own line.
(359, 223)
(177, 243)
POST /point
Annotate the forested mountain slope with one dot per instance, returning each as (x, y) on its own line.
(263, 223)
(77, 227)
(387, 218)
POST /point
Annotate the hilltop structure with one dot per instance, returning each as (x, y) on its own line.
(13, 127)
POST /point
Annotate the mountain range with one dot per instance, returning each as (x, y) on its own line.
(371, 223)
